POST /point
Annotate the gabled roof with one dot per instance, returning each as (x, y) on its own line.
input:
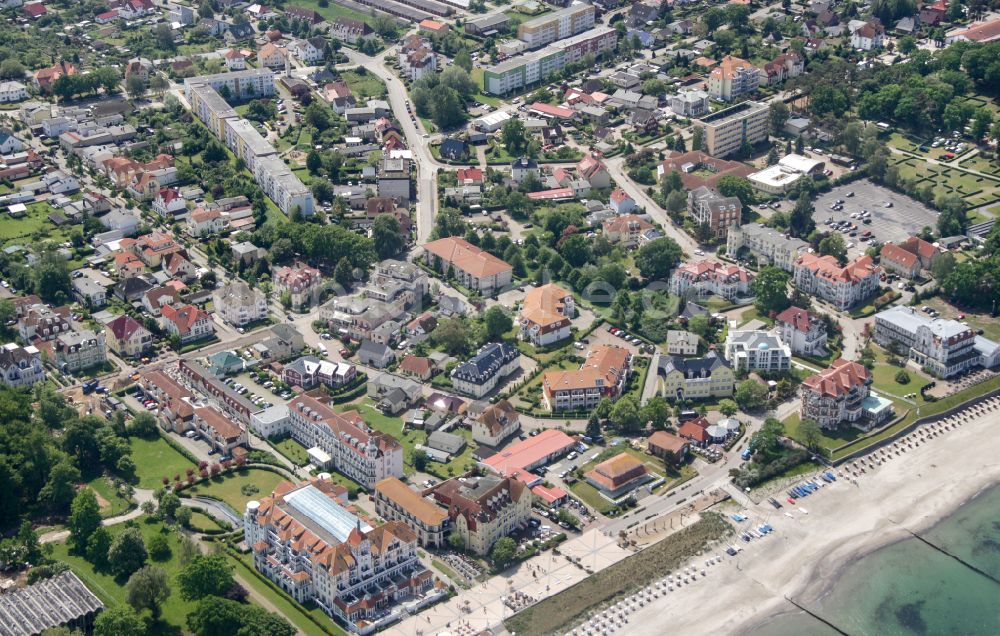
(798, 318)
(896, 254)
(842, 376)
(124, 327)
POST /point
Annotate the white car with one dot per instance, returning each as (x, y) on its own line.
(699, 253)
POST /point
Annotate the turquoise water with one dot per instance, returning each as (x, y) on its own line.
(911, 588)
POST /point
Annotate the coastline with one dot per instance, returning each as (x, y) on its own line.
(807, 554)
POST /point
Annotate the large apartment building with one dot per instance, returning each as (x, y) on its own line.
(363, 454)
(846, 286)
(205, 94)
(695, 378)
(532, 68)
(770, 246)
(709, 208)
(604, 374)
(836, 394)
(305, 541)
(704, 278)
(396, 501)
(727, 129)
(484, 509)
(805, 333)
(945, 347)
(545, 315)
(483, 372)
(756, 350)
(474, 268)
(733, 77)
(20, 366)
(558, 25)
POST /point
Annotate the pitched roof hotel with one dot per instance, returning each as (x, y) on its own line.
(545, 314)
(837, 394)
(603, 374)
(396, 501)
(484, 509)
(316, 550)
(520, 458)
(474, 268)
(712, 277)
(844, 286)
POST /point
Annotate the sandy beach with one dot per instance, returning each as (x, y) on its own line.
(804, 555)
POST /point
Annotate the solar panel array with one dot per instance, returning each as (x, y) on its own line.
(29, 611)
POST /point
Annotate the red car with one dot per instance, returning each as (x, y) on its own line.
(791, 501)
(345, 352)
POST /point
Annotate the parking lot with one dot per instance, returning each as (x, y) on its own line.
(903, 219)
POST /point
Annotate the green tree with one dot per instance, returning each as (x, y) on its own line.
(625, 414)
(134, 86)
(456, 542)
(159, 547)
(699, 325)
(449, 111)
(119, 620)
(833, 245)
(98, 546)
(657, 258)
(656, 411)
(676, 202)
(498, 322)
(777, 115)
(670, 182)
(593, 427)
(503, 552)
(419, 460)
(750, 396)
(60, 489)
(953, 219)
(184, 516)
(204, 575)
(514, 137)
(127, 553)
(222, 617)
(770, 288)
(164, 37)
(148, 589)
(386, 236)
(84, 518)
(463, 60)
(142, 425)
(452, 335)
(343, 273)
(811, 433)
(739, 187)
(314, 162)
(766, 442)
(169, 503)
(943, 265)
(727, 407)
(800, 221)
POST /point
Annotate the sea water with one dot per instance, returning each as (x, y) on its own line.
(909, 587)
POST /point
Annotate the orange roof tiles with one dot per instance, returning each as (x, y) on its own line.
(618, 471)
(545, 306)
(467, 257)
(411, 501)
(602, 369)
(828, 267)
(896, 254)
(666, 441)
(842, 376)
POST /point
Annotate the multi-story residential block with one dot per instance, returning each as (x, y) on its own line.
(270, 172)
(726, 130)
(836, 394)
(186, 322)
(394, 179)
(238, 304)
(909, 257)
(302, 283)
(560, 24)
(546, 315)
(604, 374)
(396, 501)
(703, 278)
(39, 322)
(128, 337)
(89, 292)
(309, 372)
(731, 78)
(531, 68)
(309, 51)
(682, 343)
(943, 347)
(20, 366)
(781, 68)
(363, 454)
(868, 36)
(484, 509)
(78, 350)
(218, 431)
(804, 333)
(416, 57)
(497, 423)
(474, 268)
(768, 245)
(695, 378)
(397, 280)
(12, 92)
(628, 230)
(305, 541)
(483, 372)
(846, 286)
(709, 208)
(755, 350)
(350, 30)
(689, 102)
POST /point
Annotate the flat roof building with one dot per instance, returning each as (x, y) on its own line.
(727, 129)
(518, 459)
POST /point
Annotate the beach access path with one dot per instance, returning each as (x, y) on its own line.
(910, 492)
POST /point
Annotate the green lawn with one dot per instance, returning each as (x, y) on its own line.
(367, 86)
(111, 589)
(201, 522)
(229, 488)
(884, 379)
(155, 459)
(34, 226)
(294, 451)
(333, 10)
(592, 497)
(113, 504)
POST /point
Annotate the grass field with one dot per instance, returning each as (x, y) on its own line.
(155, 459)
(364, 87)
(333, 11)
(111, 589)
(229, 488)
(33, 226)
(884, 379)
(295, 452)
(113, 504)
(558, 612)
(200, 522)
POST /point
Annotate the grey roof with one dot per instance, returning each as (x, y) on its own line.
(908, 319)
(692, 367)
(448, 442)
(312, 504)
(754, 339)
(52, 602)
(386, 380)
(373, 349)
(486, 363)
(693, 309)
(285, 332)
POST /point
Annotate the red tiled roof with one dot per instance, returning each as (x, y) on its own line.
(896, 254)
(841, 377)
(124, 326)
(796, 317)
